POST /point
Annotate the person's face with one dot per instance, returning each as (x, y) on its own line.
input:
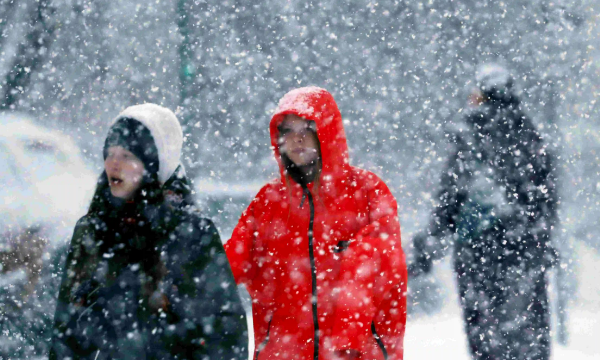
(475, 98)
(298, 140)
(125, 172)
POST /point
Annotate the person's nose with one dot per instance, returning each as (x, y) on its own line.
(299, 138)
(114, 163)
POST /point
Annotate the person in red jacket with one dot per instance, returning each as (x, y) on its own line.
(319, 248)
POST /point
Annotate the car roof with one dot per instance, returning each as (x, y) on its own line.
(16, 126)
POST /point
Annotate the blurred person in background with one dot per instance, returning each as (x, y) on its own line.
(319, 247)
(497, 208)
(146, 277)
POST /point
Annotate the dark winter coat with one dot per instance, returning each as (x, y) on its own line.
(498, 188)
(323, 263)
(148, 281)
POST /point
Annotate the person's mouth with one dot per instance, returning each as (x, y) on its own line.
(115, 181)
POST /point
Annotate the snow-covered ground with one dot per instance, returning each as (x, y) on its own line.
(441, 336)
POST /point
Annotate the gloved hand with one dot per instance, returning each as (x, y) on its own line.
(422, 260)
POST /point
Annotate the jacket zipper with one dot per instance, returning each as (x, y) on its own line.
(313, 272)
(379, 341)
(264, 343)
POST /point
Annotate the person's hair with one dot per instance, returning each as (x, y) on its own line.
(316, 182)
(316, 197)
(156, 213)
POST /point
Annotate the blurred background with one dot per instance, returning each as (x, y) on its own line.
(401, 72)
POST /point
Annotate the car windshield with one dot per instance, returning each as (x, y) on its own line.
(42, 158)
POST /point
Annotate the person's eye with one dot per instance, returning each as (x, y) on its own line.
(283, 132)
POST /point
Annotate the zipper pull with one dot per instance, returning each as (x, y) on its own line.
(304, 190)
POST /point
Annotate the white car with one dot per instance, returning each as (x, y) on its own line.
(44, 189)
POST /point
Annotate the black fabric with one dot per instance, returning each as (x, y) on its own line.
(135, 137)
(506, 314)
(500, 97)
(148, 280)
(303, 175)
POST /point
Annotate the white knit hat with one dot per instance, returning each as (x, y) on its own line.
(166, 132)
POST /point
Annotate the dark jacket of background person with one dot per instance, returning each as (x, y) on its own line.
(340, 286)
(497, 208)
(148, 280)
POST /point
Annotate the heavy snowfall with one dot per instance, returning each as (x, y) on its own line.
(480, 116)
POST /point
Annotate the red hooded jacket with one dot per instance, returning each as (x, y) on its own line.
(341, 285)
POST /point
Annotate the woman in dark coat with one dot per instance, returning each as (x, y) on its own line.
(146, 277)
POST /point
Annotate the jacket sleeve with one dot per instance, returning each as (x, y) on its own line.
(371, 302)
(207, 317)
(240, 247)
(453, 191)
(434, 242)
(67, 339)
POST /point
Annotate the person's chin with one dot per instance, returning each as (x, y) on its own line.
(118, 194)
(307, 161)
(302, 162)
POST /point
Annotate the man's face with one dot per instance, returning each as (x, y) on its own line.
(125, 172)
(298, 140)
(476, 98)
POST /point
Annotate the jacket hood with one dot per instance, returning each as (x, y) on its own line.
(318, 105)
(166, 132)
(497, 84)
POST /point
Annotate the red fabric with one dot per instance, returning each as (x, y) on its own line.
(365, 283)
